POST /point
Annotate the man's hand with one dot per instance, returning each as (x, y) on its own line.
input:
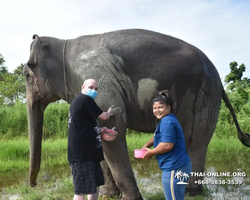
(102, 129)
(114, 110)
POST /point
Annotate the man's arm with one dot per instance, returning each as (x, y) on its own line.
(104, 116)
(111, 111)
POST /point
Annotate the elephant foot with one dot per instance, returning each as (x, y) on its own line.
(124, 197)
(193, 191)
(109, 192)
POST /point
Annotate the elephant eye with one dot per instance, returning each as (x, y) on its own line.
(28, 77)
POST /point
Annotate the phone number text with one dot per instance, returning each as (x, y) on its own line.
(218, 182)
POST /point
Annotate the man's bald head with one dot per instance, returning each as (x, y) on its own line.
(89, 84)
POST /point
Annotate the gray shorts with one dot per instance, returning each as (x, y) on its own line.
(87, 175)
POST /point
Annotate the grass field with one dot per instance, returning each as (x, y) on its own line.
(15, 157)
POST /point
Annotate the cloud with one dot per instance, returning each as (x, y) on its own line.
(219, 28)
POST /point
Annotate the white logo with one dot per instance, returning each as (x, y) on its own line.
(181, 176)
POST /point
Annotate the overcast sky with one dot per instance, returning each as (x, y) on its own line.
(221, 29)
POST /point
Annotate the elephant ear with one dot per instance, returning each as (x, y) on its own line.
(36, 52)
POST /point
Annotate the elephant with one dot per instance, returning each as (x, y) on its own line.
(131, 66)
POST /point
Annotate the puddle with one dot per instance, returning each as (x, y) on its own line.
(148, 177)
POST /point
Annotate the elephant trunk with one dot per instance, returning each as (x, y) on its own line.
(35, 118)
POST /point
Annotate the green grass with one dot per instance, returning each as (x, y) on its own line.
(15, 156)
(62, 189)
(54, 190)
(136, 140)
(15, 153)
(230, 150)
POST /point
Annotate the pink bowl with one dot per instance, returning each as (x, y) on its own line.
(139, 153)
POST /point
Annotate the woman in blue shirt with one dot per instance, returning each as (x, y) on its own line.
(169, 148)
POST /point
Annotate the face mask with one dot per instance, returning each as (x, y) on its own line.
(91, 93)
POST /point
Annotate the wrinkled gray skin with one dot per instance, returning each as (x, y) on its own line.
(131, 66)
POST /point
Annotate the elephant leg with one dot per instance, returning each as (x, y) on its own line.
(109, 189)
(198, 125)
(197, 150)
(120, 169)
(198, 158)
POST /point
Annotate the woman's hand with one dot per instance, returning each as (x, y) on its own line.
(161, 148)
(150, 143)
(148, 154)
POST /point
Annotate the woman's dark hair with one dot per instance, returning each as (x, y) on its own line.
(163, 97)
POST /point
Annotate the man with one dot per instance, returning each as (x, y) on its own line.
(84, 142)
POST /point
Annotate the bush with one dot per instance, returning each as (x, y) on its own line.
(56, 120)
(241, 104)
(14, 121)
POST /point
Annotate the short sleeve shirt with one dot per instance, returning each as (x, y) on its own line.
(83, 114)
(169, 131)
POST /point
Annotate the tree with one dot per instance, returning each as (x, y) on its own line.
(20, 83)
(234, 78)
(3, 69)
(12, 85)
(237, 91)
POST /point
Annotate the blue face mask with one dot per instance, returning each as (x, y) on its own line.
(91, 93)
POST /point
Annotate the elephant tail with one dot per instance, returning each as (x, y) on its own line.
(244, 137)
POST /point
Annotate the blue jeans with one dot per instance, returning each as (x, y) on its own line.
(174, 182)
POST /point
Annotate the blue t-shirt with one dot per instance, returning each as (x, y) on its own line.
(169, 130)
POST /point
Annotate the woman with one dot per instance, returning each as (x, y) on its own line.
(169, 148)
